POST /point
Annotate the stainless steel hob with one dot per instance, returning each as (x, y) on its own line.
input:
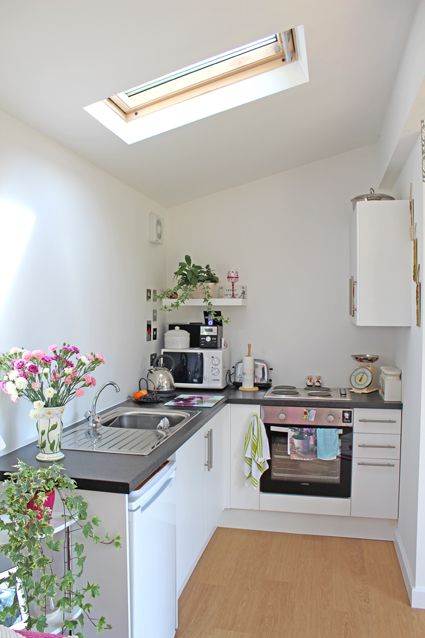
(289, 392)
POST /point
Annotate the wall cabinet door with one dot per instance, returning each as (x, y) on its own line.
(381, 264)
(375, 488)
(242, 496)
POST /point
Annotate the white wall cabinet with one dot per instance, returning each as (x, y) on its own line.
(200, 484)
(242, 496)
(381, 264)
(376, 463)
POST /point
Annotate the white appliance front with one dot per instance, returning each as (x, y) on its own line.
(152, 535)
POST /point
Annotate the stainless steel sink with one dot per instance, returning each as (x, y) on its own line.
(128, 431)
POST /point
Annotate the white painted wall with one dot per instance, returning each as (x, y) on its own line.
(288, 235)
(409, 347)
(75, 263)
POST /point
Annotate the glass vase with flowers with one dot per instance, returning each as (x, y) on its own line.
(50, 381)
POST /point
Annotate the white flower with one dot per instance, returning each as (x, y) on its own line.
(68, 370)
(50, 392)
(15, 350)
(11, 388)
(46, 371)
(13, 374)
(84, 360)
(34, 414)
(37, 405)
(21, 383)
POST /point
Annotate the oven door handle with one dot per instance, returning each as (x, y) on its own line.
(276, 428)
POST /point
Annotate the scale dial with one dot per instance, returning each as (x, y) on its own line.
(361, 378)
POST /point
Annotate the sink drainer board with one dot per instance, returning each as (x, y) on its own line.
(113, 440)
(126, 439)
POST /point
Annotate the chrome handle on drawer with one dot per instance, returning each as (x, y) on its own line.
(377, 421)
(392, 447)
(376, 464)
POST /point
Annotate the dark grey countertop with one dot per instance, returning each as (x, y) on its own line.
(122, 473)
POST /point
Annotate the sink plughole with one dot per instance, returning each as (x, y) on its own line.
(128, 431)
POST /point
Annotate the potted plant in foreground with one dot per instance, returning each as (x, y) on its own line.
(49, 566)
(49, 380)
(192, 280)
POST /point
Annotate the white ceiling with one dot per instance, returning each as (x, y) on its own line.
(57, 57)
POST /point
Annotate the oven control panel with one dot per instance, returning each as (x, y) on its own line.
(311, 416)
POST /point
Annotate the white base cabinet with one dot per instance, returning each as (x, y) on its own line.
(242, 496)
(376, 464)
(200, 484)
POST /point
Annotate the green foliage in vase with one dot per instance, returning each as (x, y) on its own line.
(32, 546)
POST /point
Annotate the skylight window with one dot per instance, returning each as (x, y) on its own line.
(246, 73)
(221, 70)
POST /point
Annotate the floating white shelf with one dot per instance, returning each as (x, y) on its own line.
(226, 301)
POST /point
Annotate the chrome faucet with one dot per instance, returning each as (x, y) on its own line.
(91, 416)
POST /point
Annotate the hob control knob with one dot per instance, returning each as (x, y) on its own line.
(331, 418)
(282, 416)
(215, 361)
(215, 372)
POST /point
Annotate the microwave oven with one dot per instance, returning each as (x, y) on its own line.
(198, 367)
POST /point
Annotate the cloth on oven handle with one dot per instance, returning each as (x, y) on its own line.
(256, 452)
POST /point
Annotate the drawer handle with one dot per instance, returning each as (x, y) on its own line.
(376, 464)
(390, 447)
(377, 421)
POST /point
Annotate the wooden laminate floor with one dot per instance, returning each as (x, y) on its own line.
(271, 585)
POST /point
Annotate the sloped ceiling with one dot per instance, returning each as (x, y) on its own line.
(57, 57)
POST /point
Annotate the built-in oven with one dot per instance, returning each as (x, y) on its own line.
(310, 450)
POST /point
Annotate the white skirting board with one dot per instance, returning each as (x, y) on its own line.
(416, 594)
(346, 526)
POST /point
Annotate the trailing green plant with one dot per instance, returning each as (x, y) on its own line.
(189, 277)
(32, 546)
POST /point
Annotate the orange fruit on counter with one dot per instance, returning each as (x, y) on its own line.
(139, 394)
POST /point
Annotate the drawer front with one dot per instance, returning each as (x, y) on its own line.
(376, 446)
(374, 490)
(377, 421)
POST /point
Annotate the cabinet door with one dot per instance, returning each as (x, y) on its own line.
(242, 496)
(374, 491)
(190, 523)
(214, 470)
(382, 264)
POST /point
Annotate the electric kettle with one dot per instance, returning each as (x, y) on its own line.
(160, 376)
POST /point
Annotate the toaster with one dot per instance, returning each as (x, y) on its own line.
(261, 373)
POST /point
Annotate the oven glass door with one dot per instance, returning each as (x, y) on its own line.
(188, 367)
(314, 461)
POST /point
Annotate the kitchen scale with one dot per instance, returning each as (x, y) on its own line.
(364, 378)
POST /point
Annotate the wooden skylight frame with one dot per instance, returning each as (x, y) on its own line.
(217, 72)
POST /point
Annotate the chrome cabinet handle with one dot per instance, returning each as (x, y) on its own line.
(392, 447)
(376, 464)
(351, 288)
(377, 421)
(209, 450)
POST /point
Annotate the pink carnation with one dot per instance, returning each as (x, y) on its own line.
(100, 357)
(89, 380)
(35, 385)
(68, 380)
(37, 354)
(31, 367)
(90, 357)
(79, 392)
(18, 364)
(26, 356)
(52, 348)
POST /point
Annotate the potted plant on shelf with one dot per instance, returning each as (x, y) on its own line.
(39, 555)
(49, 380)
(192, 281)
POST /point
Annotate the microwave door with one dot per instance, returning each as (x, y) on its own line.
(195, 368)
